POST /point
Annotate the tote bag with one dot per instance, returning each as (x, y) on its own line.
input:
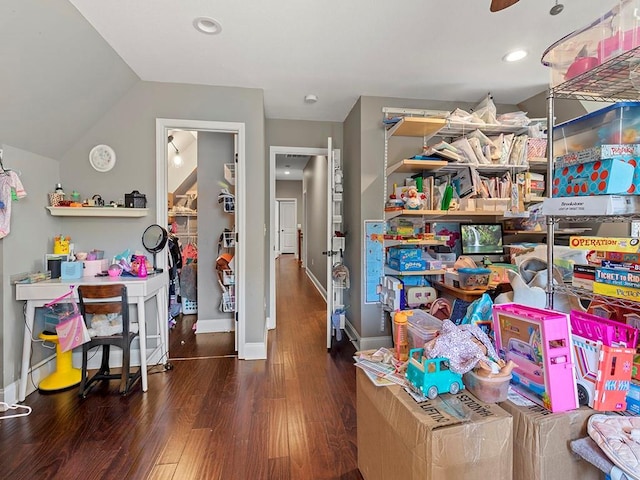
(72, 331)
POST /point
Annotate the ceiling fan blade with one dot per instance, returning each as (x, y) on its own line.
(497, 5)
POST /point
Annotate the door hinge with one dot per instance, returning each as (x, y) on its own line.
(237, 237)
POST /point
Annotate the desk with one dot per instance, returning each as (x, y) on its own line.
(466, 295)
(138, 291)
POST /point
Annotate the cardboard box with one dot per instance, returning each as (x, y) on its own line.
(606, 244)
(401, 439)
(602, 177)
(583, 276)
(594, 205)
(541, 444)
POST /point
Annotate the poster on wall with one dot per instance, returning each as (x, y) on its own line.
(373, 259)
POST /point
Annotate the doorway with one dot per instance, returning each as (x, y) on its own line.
(289, 155)
(227, 130)
(286, 226)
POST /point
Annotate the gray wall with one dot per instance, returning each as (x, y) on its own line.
(291, 189)
(315, 187)
(23, 250)
(352, 215)
(58, 77)
(301, 133)
(214, 150)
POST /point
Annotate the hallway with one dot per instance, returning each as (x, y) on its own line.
(290, 417)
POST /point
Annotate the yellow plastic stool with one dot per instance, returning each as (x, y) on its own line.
(65, 375)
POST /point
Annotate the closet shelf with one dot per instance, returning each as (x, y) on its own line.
(589, 295)
(460, 215)
(97, 212)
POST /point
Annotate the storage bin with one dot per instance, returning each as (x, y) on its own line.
(602, 177)
(473, 278)
(615, 124)
(93, 267)
(490, 390)
(71, 270)
(612, 34)
(189, 307)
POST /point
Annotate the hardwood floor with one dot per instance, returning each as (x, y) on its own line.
(290, 417)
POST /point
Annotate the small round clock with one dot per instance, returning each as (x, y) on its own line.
(102, 158)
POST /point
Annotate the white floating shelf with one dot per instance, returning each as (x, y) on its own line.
(97, 212)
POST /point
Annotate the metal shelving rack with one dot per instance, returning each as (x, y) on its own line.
(608, 82)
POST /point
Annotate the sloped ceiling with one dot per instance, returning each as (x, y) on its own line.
(58, 75)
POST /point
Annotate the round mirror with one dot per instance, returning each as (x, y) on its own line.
(154, 239)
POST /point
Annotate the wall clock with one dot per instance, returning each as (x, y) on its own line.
(102, 158)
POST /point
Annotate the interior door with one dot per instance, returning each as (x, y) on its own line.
(335, 243)
(287, 227)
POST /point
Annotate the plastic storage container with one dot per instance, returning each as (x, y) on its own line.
(422, 328)
(473, 278)
(614, 33)
(616, 124)
(489, 390)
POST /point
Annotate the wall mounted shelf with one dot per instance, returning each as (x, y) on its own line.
(97, 212)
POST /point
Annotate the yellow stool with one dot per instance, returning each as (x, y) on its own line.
(65, 375)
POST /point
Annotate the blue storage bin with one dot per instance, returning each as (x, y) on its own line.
(616, 124)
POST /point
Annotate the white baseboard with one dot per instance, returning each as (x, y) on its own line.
(255, 351)
(10, 393)
(366, 343)
(317, 284)
(214, 325)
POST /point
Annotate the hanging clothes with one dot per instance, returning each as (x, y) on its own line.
(189, 253)
(10, 188)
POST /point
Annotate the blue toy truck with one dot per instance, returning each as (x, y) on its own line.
(432, 376)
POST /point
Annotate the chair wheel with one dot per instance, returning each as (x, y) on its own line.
(168, 366)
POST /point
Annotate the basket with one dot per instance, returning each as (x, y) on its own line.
(228, 302)
(189, 306)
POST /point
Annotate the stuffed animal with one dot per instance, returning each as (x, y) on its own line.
(413, 200)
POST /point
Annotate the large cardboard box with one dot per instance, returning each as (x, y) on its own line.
(401, 439)
(541, 443)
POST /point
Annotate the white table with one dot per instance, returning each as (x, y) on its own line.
(139, 290)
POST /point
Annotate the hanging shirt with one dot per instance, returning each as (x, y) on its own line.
(10, 187)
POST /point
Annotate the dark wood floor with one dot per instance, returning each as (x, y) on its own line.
(289, 417)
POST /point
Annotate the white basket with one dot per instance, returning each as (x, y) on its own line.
(230, 173)
(228, 239)
(228, 302)
(189, 306)
(228, 277)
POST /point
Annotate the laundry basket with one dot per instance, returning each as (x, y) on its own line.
(189, 306)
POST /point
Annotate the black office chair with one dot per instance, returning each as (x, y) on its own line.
(105, 299)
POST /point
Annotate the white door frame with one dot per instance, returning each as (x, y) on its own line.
(273, 151)
(277, 223)
(163, 125)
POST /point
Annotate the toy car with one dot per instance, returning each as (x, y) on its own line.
(432, 376)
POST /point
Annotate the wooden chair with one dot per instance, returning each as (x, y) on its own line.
(105, 299)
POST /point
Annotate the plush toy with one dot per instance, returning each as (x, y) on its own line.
(105, 325)
(413, 200)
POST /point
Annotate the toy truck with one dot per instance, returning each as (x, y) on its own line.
(432, 376)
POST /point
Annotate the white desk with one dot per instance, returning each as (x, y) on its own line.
(138, 291)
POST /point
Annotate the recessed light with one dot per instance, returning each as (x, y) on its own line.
(287, 172)
(207, 25)
(311, 98)
(515, 56)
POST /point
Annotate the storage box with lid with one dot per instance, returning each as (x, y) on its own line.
(422, 327)
(611, 35)
(488, 389)
(93, 267)
(615, 124)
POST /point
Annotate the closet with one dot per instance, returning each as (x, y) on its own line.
(201, 216)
